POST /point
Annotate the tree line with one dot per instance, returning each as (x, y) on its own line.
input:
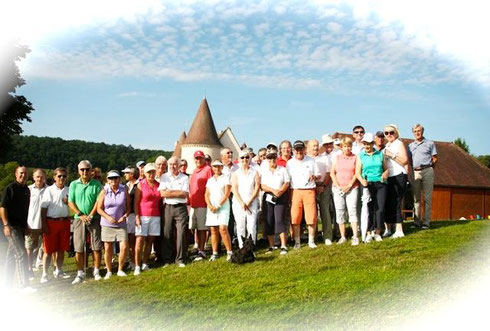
(49, 153)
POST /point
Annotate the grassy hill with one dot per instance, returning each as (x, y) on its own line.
(370, 286)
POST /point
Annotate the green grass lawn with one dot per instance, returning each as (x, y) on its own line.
(329, 287)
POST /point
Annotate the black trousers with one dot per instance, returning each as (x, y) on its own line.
(397, 186)
(378, 192)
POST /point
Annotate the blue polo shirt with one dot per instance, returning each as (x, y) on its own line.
(422, 152)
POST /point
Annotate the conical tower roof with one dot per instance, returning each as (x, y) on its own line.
(203, 131)
(178, 145)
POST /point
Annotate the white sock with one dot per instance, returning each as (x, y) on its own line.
(96, 271)
(80, 273)
(229, 252)
(215, 253)
(44, 274)
(311, 239)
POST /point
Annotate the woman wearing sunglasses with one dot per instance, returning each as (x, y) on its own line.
(113, 205)
(396, 154)
(245, 185)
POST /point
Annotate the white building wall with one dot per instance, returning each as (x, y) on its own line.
(228, 140)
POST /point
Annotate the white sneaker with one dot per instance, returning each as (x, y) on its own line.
(387, 233)
(341, 241)
(355, 241)
(328, 242)
(145, 267)
(137, 270)
(77, 280)
(60, 274)
(44, 279)
(312, 245)
(181, 265)
(297, 246)
(107, 275)
(377, 237)
(121, 273)
(97, 276)
(228, 256)
(368, 239)
(213, 257)
(284, 251)
(398, 234)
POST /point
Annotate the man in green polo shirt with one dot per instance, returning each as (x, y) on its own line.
(82, 201)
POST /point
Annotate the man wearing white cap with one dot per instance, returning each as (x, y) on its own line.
(324, 188)
(174, 188)
(304, 173)
(82, 200)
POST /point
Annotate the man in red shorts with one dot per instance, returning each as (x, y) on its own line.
(56, 224)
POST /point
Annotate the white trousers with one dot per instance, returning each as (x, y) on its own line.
(345, 204)
(246, 222)
(365, 198)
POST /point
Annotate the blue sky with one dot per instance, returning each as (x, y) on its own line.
(135, 73)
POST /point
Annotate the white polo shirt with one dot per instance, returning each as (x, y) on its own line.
(174, 183)
(228, 171)
(56, 201)
(216, 187)
(34, 220)
(274, 179)
(323, 164)
(300, 172)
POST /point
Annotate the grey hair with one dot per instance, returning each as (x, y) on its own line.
(85, 162)
(418, 126)
(174, 158)
(222, 152)
(161, 158)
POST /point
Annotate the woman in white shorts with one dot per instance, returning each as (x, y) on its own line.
(245, 185)
(113, 207)
(218, 190)
(147, 214)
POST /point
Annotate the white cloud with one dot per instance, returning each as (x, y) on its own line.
(334, 27)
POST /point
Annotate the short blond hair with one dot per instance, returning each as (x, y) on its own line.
(395, 128)
(346, 141)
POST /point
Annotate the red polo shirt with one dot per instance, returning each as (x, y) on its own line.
(281, 162)
(197, 186)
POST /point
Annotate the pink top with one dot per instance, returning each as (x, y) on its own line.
(346, 169)
(197, 186)
(150, 199)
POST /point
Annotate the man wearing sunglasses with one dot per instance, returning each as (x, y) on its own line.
(423, 155)
(358, 134)
(82, 200)
(56, 224)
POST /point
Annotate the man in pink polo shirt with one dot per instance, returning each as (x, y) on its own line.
(197, 186)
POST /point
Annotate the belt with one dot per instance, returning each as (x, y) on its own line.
(176, 204)
(422, 167)
(58, 218)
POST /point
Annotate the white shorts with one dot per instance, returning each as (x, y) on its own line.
(150, 226)
(131, 223)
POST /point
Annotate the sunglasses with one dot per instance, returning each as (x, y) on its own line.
(112, 178)
(359, 132)
(271, 157)
(84, 169)
(387, 133)
(230, 152)
(61, 176)
(245, 157)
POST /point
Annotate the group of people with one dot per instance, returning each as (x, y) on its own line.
(364, 177)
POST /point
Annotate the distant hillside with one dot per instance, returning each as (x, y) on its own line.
(49, 153)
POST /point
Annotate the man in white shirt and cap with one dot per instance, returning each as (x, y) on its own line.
(304, 174)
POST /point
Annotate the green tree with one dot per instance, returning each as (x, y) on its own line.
(13, 108)
(462, 143)
(485, 160)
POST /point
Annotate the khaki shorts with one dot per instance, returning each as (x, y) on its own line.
(93, 230)
(197, 219)
(33, 237)
(110, 234)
